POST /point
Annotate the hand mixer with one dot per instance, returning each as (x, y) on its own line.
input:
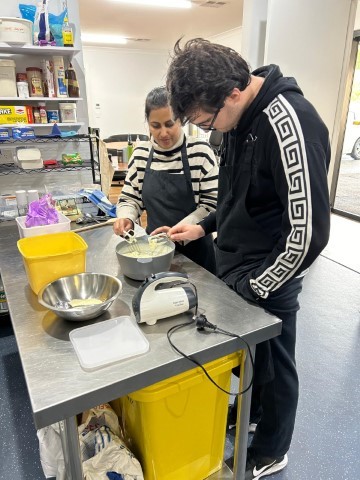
(163, 295)
(155, 243)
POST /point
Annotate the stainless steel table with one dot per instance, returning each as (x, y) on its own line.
(58, 387)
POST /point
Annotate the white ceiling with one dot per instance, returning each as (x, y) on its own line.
(163, 26)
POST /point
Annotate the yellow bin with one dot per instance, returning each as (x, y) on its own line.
(176, 428)
(49, 257)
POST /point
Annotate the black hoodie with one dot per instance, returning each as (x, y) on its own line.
(273, 215)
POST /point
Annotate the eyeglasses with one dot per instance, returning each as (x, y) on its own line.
(208, 127)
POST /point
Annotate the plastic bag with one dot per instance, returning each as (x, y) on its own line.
(42, 33)
(115, 458)
(55, 22)
(51, 454)
(27, 11)
(100, 200)
(102, 451)
(102, 416)
(42, 212)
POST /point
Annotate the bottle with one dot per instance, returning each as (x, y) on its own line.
(59, 77)
(72, 83)
(130, 147)
(36, 113)
(42, 112)
(67, 34)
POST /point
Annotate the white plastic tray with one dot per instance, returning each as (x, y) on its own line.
(108, 342)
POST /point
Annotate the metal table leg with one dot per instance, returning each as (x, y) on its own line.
(71, 448)
(242, 421)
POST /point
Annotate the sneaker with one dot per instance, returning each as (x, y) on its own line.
(252, 427)
(231, 420)
(258, 466)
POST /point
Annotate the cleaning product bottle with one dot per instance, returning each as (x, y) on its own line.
(67, 33)
(130, 147)
(72, 83)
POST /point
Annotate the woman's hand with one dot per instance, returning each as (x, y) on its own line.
(163, 229)
(122, 225)
(179, 233)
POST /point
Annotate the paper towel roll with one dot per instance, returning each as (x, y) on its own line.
(21, 197)
(32, 195)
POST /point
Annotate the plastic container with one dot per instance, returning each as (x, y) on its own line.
(34, 76)
(62, 226)
(108, 342)
(23, 89)
(29, 158)
(7, 78)
(49, 257)
(15, 30)
(68, 112)
(176, 428)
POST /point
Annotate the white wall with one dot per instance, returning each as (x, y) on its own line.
(311, 41)
(231, 38)
(254, 31)
(118, 81)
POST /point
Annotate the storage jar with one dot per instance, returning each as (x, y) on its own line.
(68, 112)
(34, 76)
(7, 78)
(15, 30)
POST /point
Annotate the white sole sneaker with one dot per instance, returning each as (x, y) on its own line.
(252, 427)
(269, 470)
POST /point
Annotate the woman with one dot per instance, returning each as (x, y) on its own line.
(173, 177)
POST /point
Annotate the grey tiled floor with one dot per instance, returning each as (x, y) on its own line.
(326, 442)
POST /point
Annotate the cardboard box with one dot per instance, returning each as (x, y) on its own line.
(15, 114)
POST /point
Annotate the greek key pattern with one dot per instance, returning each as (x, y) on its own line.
(287, 129)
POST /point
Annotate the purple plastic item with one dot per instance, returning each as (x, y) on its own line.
(42, 212)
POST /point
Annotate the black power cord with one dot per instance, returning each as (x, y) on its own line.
(202, 323)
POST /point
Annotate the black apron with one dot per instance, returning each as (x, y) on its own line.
(168, 198)
(233, 220)
(249, 243)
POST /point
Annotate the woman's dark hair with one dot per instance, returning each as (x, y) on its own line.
(157, 98)
(201, 75)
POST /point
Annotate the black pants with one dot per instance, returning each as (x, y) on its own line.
(276, 386)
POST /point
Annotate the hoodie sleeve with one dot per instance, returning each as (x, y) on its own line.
(300, 178)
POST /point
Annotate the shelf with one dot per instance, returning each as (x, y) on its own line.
(34, 50)
(44, 139)
(39, 125)
(40, 99)
(11, 169)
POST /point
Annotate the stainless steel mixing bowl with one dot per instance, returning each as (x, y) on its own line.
(138, 268)
(57, 295)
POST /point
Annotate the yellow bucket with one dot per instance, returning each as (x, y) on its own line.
(49, 257)
(176, 428)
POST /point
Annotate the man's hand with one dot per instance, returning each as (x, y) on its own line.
(163, 229)
(122, 225)
(179, 233)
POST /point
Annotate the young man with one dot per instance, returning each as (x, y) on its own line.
(273, 216)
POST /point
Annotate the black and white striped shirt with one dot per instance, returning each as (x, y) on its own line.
(204, 176)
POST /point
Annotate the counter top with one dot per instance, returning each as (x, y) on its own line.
(59, 388)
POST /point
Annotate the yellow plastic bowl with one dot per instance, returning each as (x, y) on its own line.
(49, 257)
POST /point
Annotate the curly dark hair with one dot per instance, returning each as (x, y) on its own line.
(201, 75)
(157, 98)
